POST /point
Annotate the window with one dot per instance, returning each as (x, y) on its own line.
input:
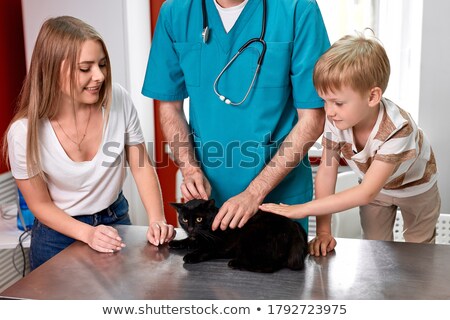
(347, 16)
(398, 25)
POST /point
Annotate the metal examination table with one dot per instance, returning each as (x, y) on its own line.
(358, 269)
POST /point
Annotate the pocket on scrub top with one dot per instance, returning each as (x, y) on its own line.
(276, 66)
(190, 55)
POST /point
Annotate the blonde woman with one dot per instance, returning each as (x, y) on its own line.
(69, 143)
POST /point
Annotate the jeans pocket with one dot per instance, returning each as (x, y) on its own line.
(119, 210)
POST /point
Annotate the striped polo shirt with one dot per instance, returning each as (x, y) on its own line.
(396, 139)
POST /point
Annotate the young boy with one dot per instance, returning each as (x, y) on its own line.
(379, 141)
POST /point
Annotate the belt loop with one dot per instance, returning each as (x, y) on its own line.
(95, 219)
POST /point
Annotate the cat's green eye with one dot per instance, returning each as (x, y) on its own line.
(184, 220)
(199, 219)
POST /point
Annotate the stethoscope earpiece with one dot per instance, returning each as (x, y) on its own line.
(224, 99)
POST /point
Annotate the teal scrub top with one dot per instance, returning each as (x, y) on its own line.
(233, 143)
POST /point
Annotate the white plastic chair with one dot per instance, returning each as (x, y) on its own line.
(442, 228)
(346, 224)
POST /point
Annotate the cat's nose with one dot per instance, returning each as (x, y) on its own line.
(190, 229)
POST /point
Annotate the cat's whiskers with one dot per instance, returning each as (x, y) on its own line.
(207, 235)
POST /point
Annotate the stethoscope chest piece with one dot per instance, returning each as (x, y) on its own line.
(205, 34)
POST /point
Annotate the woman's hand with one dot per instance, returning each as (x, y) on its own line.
(104, 239)
(159, 232)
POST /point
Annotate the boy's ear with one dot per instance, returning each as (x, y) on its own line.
(176, 205)
(375, 96)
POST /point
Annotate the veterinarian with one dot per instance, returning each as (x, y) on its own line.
(252, 116)
(68, 143)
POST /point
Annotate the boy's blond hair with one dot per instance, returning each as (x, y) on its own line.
(358, 61)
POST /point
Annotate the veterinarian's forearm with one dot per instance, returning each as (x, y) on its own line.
(176, 129)
(304, 134)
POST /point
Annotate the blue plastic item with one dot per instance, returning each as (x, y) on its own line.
(24, 213)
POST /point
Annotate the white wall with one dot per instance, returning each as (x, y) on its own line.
(125, 28)
(434, 97)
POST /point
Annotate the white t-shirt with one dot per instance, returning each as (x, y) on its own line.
(395, 139)
(230, 15)
(81, 188)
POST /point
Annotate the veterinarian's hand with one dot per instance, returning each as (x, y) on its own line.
(195, 185)
(293, 211)
(104, 239)
(322, 244)
(236, 211)
(159, 232)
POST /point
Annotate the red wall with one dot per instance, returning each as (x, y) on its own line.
(12, 62)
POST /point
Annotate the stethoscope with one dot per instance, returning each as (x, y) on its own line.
(205, 36)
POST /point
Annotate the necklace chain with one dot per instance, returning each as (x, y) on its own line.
(84, 135)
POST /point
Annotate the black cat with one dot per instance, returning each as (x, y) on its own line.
(266, 243)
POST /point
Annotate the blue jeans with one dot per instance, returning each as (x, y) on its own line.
(46, 242)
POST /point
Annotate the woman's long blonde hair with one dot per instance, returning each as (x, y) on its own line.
(60, 40)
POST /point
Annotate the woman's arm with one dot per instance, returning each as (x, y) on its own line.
(150, 192)
(100, 238)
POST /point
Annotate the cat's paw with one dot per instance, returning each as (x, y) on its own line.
(178, 244)
(192, 257)
(234, 264)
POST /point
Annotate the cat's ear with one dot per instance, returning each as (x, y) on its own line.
(176, 205)
(210, 203)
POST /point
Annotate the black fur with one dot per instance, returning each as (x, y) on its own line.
(267, 242)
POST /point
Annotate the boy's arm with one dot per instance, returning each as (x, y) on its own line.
(325, 184)
(374, 180)
(360, 195)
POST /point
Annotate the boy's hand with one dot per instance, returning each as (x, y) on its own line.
(293, 211)
(322, 244)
